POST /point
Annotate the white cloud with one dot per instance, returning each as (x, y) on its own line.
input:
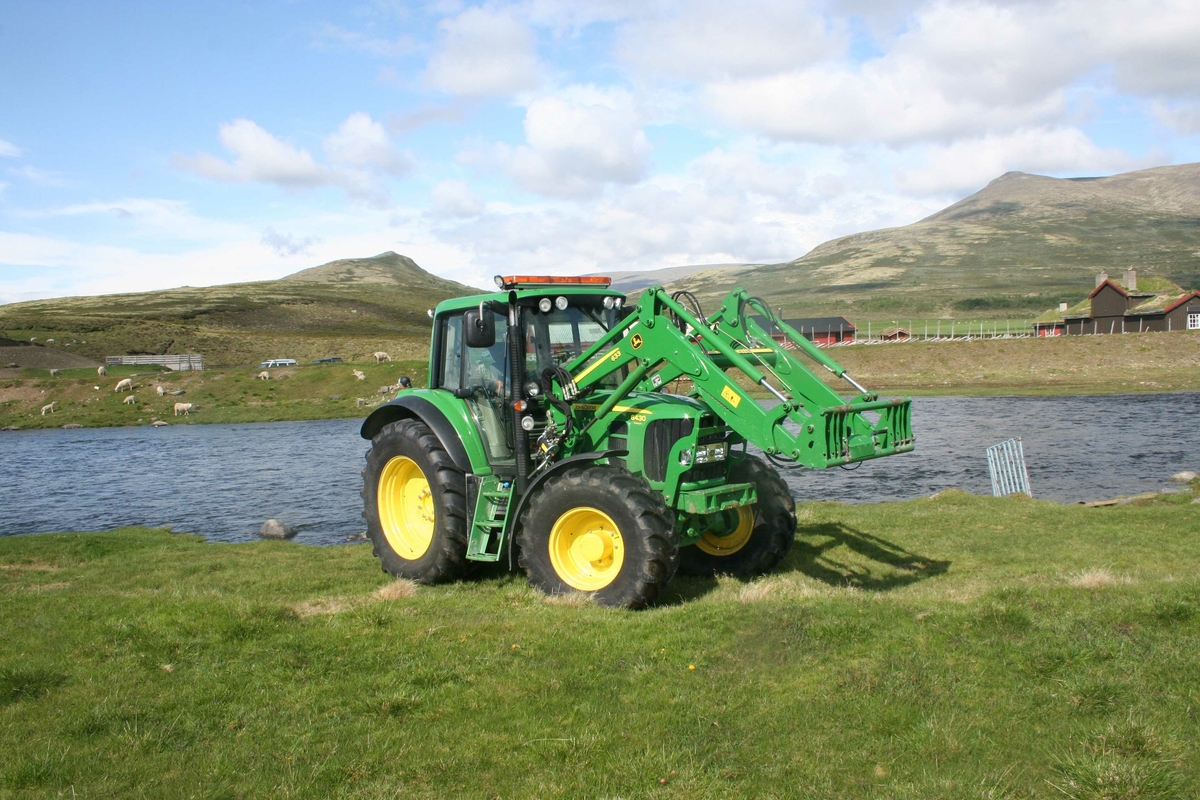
(258, 156)
(577, 142)
(9, 150)
(362, 142)
(455, 199)
(359, 150)
(1183, 118)
(153, 216)
(716, 39)
(483, 51)
(385, 48)
(40, 177)
(972, 69)
(966, 166)
(285, 244)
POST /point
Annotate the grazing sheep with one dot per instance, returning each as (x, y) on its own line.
(263, 376)
(362, 376)
(130, 400)
(123, 385)
(161, 390)
(53, 373)
(362, 401)
(49, 341)
(382, 356)
(102, 371)
(49, 409)
(184, 407)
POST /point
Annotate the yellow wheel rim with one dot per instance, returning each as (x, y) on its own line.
(406, 509)
(586, 549)
(730, 543)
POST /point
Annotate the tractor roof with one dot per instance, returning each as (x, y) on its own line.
(534, 286)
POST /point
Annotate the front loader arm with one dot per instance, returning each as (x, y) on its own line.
(811, 425)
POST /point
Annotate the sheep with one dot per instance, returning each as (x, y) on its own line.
(102, 371)
(130, 400)
(49, 409)
(263, 376)
(362, 376)
(124, 384)
(386, 389)
(184, 407)
(53, 373)
(161, 390)
(49, 341)
(381, 356)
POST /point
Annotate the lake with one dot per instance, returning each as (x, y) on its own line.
(223, 481)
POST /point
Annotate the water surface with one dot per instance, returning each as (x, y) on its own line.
(223, 481)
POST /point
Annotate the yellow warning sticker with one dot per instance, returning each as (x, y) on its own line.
(731, 397)
(636, 340)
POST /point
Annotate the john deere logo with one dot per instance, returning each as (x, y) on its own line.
(636, 340)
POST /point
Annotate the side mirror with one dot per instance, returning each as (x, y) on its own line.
(480, 327)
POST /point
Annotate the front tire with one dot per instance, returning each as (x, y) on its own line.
(763, 532)
(414, 504)
(602, 531)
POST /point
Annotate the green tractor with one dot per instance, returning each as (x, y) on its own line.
(549, 436)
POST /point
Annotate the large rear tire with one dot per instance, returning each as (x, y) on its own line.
(763, 532)
(602, 531)
(414, 505)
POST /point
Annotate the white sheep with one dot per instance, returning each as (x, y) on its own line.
(49, 409)
(124, 384)
(381, 356)
(263, 376)
(102, 371)
(49, 341)
(362, 376)
(161, 390)
(53, 373)
(130, 400)
(183, 407)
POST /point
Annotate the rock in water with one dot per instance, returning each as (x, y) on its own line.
(1187, 476)
(274, 529)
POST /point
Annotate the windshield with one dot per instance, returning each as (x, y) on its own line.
(559, 337)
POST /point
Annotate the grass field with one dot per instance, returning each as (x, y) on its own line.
(324, 391)
(953, 647)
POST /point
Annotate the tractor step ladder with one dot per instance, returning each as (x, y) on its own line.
(487, 504)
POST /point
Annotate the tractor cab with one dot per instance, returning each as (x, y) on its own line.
(556, 320)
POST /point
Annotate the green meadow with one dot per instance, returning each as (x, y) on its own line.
(951, 647)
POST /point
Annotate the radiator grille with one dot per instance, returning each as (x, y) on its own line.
(661, 436)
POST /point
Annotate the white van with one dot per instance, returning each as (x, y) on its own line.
(278, 362)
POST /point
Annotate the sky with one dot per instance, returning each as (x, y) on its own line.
(146, 145)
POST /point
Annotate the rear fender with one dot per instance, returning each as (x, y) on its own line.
(454, 430)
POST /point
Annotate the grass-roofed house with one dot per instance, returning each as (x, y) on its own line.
(1156, 305)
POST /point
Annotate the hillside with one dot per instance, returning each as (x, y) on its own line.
(348, 308)
(1018, 246)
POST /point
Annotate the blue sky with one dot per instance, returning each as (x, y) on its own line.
(149, 145)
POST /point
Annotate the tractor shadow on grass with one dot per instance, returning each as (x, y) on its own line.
(839, 555)
(835, 554)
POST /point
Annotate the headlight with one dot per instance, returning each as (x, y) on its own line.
(608, 301)
(499, 281)
(532, 389)
(560, 303)
(544, 305)
(618, 302)
(526, 423)
(685, 458)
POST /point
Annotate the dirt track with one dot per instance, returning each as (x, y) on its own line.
(43, 358)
